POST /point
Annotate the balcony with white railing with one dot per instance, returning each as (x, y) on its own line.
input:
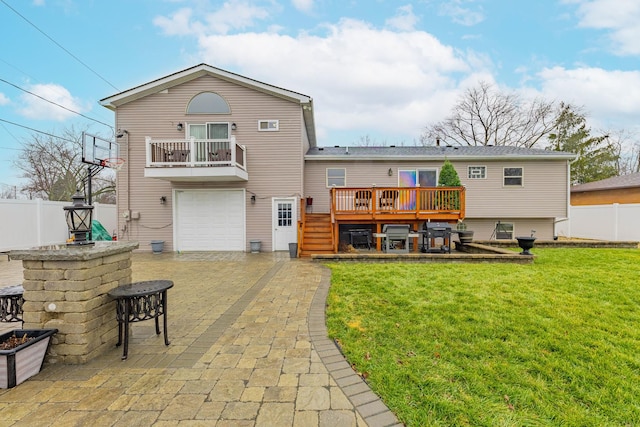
(196, 159)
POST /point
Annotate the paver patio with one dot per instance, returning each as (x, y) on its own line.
(248, 347)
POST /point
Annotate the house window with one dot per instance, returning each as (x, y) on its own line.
(268, 125)
(336, 177)
(208, 103)
(285, 214)
(513, 177)
(503, 231)
(477, 172)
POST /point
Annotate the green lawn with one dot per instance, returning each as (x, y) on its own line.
(552, 343)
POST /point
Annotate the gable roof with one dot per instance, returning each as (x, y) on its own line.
(624, 181)
(306, 102)
(435, 153)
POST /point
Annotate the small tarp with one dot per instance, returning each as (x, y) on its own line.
(98, 232)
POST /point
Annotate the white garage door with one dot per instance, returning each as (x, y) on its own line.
(210, 220)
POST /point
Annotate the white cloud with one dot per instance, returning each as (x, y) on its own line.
(611, 97)
(232, 15)
(405, 19)
(36, 108)
(462, 14)
(303, 5)
(38, 2)
(620, 18)
(3, 99)
(360, 77)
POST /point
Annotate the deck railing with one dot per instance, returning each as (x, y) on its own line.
(195, 152)
(417, 201)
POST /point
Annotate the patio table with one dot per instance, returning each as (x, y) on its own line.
(137, 302)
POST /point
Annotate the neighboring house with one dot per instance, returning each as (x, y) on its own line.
(623, 189)
(215, 160)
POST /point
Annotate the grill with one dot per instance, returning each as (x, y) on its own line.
(437, 230)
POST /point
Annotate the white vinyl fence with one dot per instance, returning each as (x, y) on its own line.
(614, 222)
(28, 223)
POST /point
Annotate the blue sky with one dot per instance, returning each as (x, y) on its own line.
(377, 68)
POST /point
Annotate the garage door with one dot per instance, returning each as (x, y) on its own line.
(210, 220)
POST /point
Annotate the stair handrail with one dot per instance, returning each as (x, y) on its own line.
(301, 224)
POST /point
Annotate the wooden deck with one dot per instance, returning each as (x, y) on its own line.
(375, 207)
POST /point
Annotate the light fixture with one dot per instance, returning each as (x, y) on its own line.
(253, 199)
(121, 133)
(234, 126)
(163, 200)
(390, 172)
(179, 127)
(79, 217)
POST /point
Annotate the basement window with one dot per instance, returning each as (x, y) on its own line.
(503, 231)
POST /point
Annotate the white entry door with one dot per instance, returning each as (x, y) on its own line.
(285, 220)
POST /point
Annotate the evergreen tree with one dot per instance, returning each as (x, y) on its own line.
(448, 175)
(597, 158)
(449, 199)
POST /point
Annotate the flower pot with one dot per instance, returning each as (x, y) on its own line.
(293, 250)
(157, 246)
(465, 236)
(24, 361)
(255, 246)
(525, 244)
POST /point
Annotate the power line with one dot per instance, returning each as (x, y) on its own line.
(60, 46)
(36, 130)
(55, 103)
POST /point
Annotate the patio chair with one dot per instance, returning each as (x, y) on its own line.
(362, 199)
(397, 238)
(388, 199)
(220, 156)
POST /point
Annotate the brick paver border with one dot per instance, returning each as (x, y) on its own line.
(367, 403)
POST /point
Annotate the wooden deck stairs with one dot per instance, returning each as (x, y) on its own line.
(317, 235)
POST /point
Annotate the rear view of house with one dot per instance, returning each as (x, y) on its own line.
(215, 160)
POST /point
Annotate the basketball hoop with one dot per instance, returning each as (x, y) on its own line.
(114, 163)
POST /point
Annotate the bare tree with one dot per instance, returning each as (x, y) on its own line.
(628, 150)
(8, 191)
(53, 168)
(486, 116)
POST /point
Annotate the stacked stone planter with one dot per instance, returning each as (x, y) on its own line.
(66, 287)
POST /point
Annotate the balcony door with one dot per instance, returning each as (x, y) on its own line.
(216, 133)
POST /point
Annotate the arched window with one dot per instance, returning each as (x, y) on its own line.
(208, 103)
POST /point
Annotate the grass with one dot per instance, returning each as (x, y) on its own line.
(552, 343)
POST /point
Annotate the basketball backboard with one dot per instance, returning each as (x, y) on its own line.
(96, 150)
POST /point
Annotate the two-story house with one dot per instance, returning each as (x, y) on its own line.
(214, 160)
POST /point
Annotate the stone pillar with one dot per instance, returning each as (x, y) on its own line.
(65, 287)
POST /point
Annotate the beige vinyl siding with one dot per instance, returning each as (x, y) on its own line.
(543, 195)
(358, 174)
(483, 228)
(274, 159)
